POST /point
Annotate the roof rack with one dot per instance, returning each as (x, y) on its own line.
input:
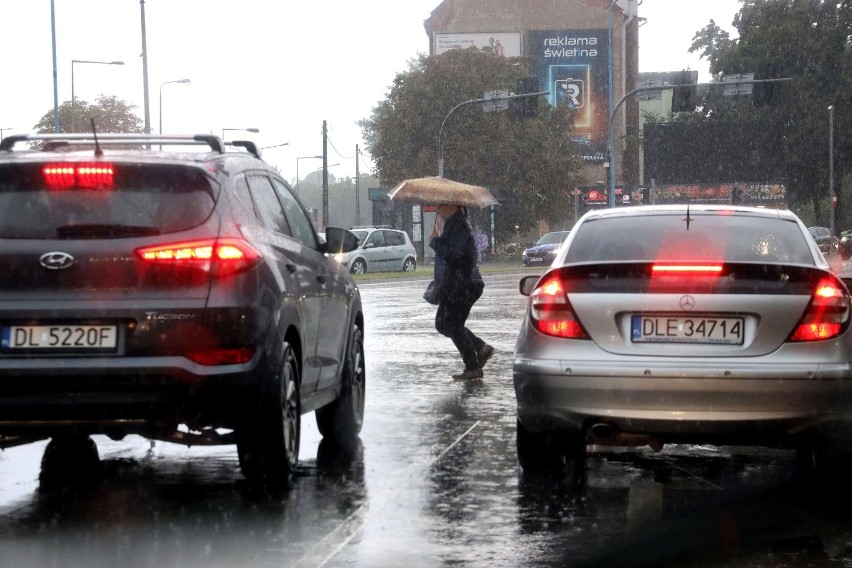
(247, 144)
(57, 140)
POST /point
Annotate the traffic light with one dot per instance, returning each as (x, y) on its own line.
(525, 107)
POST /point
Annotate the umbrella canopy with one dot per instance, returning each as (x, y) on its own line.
(442, 191)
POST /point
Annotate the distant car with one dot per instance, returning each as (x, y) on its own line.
(845, 245)
(321, 237)
(543, 252)
(684, 324)
(827, 243)
(380, 249)
(179, 296)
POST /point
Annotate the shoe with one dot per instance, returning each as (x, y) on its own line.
(469, 374)
(484, 354)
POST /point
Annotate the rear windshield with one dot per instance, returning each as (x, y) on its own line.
(734, 238)
(65, 200)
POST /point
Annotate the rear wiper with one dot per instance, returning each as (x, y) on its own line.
(97, 231)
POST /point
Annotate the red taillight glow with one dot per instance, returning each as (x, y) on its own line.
(225, 256)
(551, 312)
(826, 315)
(699, 269)
(213, 357)
(83, 176)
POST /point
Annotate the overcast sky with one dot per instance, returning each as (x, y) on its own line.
(281, 67)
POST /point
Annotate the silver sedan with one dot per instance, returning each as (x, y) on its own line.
(694, 324)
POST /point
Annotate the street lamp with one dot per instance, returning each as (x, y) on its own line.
(73, 99)
(4, 129)
(177, 81)
(253, 130)
(831, 166)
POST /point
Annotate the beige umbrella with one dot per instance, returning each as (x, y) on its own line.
(442, 191)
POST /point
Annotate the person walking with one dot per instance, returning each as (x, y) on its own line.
(458, 285)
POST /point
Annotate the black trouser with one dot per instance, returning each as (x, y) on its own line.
(450, 319)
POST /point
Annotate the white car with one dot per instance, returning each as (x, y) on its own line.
(381, 249)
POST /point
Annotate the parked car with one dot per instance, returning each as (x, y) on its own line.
(684, 324)
(844, 247)
(380, 249)
(827, 243)
(543, 251)
(179, 296)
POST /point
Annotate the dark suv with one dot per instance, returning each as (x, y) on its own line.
(180, 296)
(828, 243)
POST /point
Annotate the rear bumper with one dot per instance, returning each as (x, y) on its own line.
(125, 395)
(703, 404)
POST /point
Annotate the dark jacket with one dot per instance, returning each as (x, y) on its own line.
(457, 259)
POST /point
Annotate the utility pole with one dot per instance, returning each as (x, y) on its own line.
(145, 71)
(324, 174)
(357, 190)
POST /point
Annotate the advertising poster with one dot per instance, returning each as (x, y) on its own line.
(767, 194)
(574, 66)
(504, 44)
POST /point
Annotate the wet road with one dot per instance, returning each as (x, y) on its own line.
(434, 483)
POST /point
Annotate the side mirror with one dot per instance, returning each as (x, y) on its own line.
(339, 240)
(527, 284)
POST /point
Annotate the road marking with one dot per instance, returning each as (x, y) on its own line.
(325, 550)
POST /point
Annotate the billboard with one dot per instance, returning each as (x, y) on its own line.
(574, 66)
(505, 44)
(766, 194)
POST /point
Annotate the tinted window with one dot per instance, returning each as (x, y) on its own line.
(394, 238)
(135, 200)
(553, 238)
(708, 237)
(241, 190)
(268, 207)
(300, 223)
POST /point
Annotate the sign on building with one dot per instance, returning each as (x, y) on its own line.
(505, 44)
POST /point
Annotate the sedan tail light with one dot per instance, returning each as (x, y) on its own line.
(220, 257)
(551, 312)
(827, 315)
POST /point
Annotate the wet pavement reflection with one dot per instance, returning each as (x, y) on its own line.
(434, 482)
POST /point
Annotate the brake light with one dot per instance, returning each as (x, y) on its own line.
(84, 176)
(551, 312)
(220, 256)
(213, 357)
(827, 314)
(697, 269)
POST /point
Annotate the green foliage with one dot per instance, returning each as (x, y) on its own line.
(110, 113)
(808, 41)
(530, 164)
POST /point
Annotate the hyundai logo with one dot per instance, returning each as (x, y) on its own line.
(687, 303)
(56, 260)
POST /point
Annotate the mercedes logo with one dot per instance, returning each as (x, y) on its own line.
(687, 303)
(56, 260)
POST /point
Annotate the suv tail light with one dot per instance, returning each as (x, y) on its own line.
(220, 257)
(212, 357)
(827, 314)
(551, 312)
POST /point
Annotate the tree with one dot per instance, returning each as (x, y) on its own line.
(808, 41)
(110, 113)
(530, 164)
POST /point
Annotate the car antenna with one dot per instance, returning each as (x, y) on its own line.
(98, 152)
(688, 218)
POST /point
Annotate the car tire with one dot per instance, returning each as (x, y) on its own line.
(268, 440)
(410, 265)
(359, 266)
(342, 419)
(545, 452)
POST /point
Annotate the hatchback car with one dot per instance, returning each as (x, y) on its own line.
(845, 245)
(380, 249)
(544, 250)
(827, 242)
(180, 296)
(692, 324)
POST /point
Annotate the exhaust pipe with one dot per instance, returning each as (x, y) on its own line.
(606, 434)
